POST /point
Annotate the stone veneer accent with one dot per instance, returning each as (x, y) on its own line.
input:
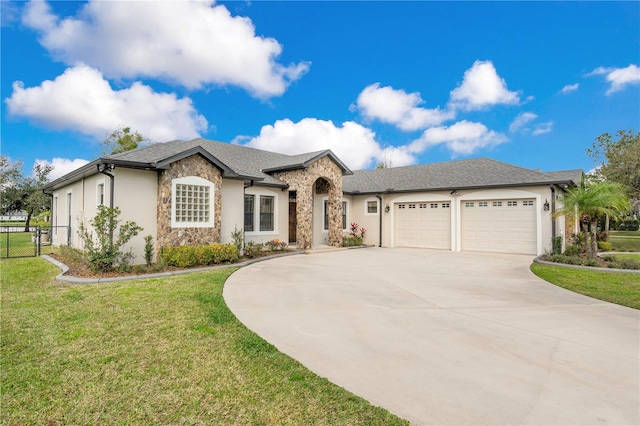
(302, 181)
(194, 165)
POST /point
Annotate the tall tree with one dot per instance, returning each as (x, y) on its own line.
(592, 202)
(20, 193)
(121, 140)
(618, 160)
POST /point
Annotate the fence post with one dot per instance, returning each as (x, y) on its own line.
(38, 236)
(7, 242)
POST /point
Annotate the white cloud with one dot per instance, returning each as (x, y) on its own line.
(461, 138)
(399, 108)
(619, 78)
(191, 42)
(570, 88)
(82, 100)
(352, 143)
(481, 87)
(521, 121)
(543, 128)
(62, 166)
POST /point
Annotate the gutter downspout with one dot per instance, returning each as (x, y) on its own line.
(380, 224)
(553, 211)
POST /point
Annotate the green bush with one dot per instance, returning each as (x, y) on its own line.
(105, 253)
(189, 256)
(556, 244)
(604, 246)
(351, 241)
(572, 250)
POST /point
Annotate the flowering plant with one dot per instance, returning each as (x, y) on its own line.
(276, 245)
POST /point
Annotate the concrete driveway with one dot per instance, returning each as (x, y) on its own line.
(448, 338)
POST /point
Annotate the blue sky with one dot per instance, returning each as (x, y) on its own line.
(528, 83)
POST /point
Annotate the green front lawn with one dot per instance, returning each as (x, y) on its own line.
(150, 351)
(614, 287)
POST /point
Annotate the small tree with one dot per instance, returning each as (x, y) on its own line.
(20, 193)
(121, 140)
(592, 202)
(106, 252)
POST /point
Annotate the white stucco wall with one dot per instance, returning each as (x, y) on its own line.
(540, 193)
(136, 194)
(232, 208)
(371, 222)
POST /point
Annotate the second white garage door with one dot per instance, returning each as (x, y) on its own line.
(502, 226)
(425, 225)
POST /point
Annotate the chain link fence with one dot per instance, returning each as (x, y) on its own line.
(15, 241)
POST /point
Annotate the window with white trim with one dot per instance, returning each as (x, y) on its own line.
(325, 208)
(527, 203)
(469, 204)
(483, 204)
(512, 203)
(267, 212)
(497, 204)
(192, 203)
(401, 206)
(433, 205)
(412, 206)
(100, 194)
(446, 205)
(249, 211)
(371, 207)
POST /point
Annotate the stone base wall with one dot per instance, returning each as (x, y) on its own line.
(168, 236)
(302, 181)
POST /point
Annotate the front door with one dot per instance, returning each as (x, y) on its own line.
(293, 222)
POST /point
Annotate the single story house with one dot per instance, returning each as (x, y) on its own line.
(200, 191)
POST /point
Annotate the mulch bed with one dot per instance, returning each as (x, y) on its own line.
(78, 267)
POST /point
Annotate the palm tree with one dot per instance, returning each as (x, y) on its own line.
(591, 202)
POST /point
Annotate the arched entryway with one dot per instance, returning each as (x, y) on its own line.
(308, 188)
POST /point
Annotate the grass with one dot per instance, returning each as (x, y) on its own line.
(625, 240)
(155, 351)
(615, 287)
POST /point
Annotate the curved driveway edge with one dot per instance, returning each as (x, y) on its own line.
(448, 338)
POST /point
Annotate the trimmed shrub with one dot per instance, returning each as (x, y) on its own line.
(572, 250)
(189, 256)
(605, 246)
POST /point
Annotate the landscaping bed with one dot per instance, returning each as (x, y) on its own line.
(81, 268)
(608, 260)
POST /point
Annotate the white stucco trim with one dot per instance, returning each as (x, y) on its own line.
(257, 192)
(366, 210)
(192, 180)
(498, 194)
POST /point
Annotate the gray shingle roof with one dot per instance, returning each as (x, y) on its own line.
(474, 173)
(242, 162)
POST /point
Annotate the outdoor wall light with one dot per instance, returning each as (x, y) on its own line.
(546, 205)
(387, 208)
(454, 192)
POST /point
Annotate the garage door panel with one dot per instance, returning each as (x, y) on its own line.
(504, 226)
(425, 225)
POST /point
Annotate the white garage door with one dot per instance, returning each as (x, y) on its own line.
(503, 226)
(420, 224)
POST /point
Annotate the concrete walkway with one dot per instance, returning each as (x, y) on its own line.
(448, 338)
